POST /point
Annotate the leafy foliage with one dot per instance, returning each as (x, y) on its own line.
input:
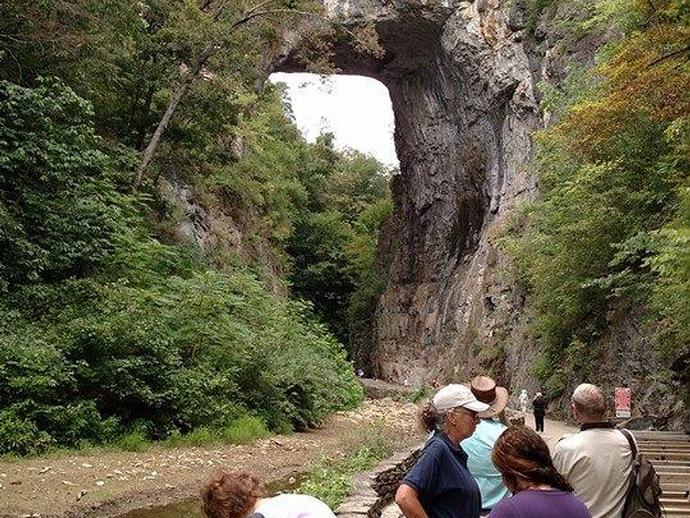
(334, 242)
(60, 211)
(611, 226)
(106, 331)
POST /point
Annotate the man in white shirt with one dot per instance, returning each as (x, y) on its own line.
(597, 461)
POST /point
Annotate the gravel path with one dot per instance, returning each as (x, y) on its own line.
(107, 483)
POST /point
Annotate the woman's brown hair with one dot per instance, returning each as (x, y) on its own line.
(230, 494)
(519, 453)
(429, 418)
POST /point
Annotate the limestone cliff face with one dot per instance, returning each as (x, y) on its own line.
(463, 92)
(463, 79)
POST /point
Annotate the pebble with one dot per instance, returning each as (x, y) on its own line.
(87, 465)
(99, 483)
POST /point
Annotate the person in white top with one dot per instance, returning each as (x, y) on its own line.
(242, 495)
(597, 461)
(523, 398)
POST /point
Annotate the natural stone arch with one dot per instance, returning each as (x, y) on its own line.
(464, 104)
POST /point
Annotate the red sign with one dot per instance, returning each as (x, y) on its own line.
(622, 398)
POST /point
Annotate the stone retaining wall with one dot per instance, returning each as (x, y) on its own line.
(375, 489)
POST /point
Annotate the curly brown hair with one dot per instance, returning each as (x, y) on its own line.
(520, 453)
(230, 494)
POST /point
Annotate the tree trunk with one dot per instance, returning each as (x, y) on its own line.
(182, 88)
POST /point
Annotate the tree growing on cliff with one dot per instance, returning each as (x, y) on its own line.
(608, 233)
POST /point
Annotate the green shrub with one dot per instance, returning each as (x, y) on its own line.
(21, 436)
(134, 441)
(244, 430)
(60, 209)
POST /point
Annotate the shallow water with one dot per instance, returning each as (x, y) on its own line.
(190, 508)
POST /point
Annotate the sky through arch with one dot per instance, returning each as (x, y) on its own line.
(356, 109)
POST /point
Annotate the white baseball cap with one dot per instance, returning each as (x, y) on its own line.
(455, 395)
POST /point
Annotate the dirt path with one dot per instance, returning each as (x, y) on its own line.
(553, 430)
(111, 483)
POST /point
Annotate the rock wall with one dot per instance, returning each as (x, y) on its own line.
(463, 78)
(372, 491)
(463, 92)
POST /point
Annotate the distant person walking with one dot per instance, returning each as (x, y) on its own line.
(439, 485)
(539, 404)
(479, 446)
(523, 399)
(597, 460)
(539, 490)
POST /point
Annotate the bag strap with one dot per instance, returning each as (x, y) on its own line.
(631, 442)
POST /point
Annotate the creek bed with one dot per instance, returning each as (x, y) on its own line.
(190, 507)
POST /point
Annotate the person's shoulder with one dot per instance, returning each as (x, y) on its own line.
(570, 441)
(434, 447)
(306, 504)
(494, 429)
(505, 508)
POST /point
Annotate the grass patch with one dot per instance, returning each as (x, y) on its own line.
(134, 441)
(420, 394)
(244, 430)
(331, 479)
(239, 431)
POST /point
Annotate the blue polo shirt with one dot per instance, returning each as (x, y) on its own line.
(443, 483)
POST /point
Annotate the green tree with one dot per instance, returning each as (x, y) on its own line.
(608, 230)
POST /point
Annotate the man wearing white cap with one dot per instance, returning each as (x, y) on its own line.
(440, 485)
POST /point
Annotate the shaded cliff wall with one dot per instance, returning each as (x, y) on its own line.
(463, 82)
(463, 93)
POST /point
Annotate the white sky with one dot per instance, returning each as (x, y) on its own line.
(356, 109)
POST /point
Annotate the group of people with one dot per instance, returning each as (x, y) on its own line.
(475, 464)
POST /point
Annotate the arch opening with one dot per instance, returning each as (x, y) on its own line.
(355, 109)
(463, 99)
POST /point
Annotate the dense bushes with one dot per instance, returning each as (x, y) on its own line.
(174, 356)
(105, 331)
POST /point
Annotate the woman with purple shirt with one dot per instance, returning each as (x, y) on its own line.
(539, 491)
